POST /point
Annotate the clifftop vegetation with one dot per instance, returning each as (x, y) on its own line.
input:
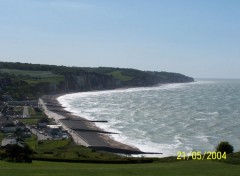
(29, 81)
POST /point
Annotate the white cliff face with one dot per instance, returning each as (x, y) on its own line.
(74, 79)
(92, 81)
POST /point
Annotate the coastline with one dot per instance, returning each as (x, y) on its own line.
(84, 132)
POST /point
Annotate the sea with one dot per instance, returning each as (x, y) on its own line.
(168, 118)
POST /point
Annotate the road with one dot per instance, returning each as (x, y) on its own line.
(25, 112)
(40, 134)
(57, 117)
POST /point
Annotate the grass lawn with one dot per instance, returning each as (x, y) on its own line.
(34, 117)
(36, 114)
(29, 121)
(66, 149)
(52, 145)
(42, 168)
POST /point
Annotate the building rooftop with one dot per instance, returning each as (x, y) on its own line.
(54, 126)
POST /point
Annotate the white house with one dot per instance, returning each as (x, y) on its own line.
(12, 141)
(8, 140)
(54, 130)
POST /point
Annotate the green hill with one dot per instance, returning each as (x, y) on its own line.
(29, 81)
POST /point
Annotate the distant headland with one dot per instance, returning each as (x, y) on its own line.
(24, 81)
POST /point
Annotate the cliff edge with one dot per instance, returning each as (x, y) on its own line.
(30, 81)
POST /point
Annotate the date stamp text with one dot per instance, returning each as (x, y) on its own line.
(198, 155)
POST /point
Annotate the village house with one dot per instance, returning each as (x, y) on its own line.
(12, 141)
(19, 125)
(54, 130)
(9, 127)
(42, 123)
(8, 141)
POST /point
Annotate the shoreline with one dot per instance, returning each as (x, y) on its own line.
(84, 132)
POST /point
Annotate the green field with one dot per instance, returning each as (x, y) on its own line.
(33, 77)
(29, 121)
(66, 149)
(34, 117)
(42, 74)
(186, 168)
(118, 75)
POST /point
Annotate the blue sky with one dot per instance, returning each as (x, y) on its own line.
(199, 38)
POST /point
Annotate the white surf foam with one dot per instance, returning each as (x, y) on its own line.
(186, 121)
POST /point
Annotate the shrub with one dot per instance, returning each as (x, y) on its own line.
(17, 153)
(225, 147)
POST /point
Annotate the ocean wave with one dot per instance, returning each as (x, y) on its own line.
(166, 118)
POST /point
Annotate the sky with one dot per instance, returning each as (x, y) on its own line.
(198, 38)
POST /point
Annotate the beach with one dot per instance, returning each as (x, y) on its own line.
(83, 131)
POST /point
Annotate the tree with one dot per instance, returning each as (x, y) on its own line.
(225, 147)
(17, 153)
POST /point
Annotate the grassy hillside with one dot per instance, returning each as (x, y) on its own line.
(186, 168)
(29, 81)
(34, 77)
(41, 74)
(120, 76)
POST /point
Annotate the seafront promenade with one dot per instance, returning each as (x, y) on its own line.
(57, 117)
